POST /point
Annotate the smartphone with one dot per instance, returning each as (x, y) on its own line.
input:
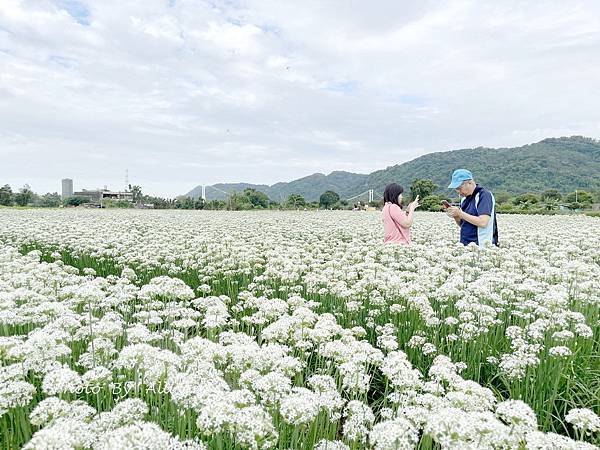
(445, 204)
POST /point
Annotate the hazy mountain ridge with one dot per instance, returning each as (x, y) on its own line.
(311, 187)
(565, 163)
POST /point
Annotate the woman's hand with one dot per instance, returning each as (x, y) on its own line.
(414, 204)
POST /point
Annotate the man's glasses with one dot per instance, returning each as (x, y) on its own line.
(461, 185)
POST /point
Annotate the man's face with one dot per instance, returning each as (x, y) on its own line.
(466, 188)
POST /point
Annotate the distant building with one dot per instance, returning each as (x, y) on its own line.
(97, 196)
(67, 187)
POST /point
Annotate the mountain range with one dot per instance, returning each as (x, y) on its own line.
(565, 163)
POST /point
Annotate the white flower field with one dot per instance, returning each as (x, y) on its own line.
(295, 330)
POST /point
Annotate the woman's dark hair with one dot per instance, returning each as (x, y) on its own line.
(391, 193)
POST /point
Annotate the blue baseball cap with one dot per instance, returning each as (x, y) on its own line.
(459, 176)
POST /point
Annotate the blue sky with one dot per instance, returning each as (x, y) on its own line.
(188, 92)
(78, 10)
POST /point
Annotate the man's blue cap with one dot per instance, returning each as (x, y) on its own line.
(459, 176)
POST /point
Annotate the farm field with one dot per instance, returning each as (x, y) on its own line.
(295, 330)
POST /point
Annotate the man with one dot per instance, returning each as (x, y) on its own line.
(476, 215)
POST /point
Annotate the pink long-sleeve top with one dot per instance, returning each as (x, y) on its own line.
(395, 223)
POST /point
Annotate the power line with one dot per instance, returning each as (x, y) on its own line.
(370, 193)
(356, 196)
(217, 189)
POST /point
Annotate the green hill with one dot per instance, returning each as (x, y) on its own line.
(565, 163)
(220, 191)
(562, 163)
(311, 187)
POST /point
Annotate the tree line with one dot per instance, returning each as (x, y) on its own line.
(549, 200)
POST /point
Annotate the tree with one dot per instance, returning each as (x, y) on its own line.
(6, 195)
(76, 201)
(158, 202)
(50, 200)
(551, 195)
(184, 203)
(502, 197)
(24, 196)
(216, 205)
(340, 204)
(256, 198)
(422, 187)
(582, 197)
(526, 199)
(238, 202)
(199, 203)
(136, 191)
(113, 203)
(551, 204)
(295, 201)
(328, 198)
(431, 203)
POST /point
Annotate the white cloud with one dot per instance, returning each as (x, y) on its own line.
(187, 92)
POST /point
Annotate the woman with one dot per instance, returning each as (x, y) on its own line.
(396, 222)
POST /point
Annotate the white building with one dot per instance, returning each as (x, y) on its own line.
(67, 187)
(97, 196)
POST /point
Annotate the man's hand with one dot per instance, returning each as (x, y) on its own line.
(454, 212)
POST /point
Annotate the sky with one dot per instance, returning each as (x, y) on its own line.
(187, 92)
